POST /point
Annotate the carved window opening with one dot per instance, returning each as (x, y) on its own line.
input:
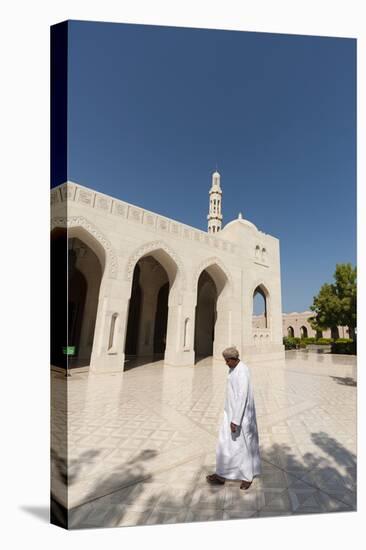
(186, 333)
(112, 331)
(260, 317)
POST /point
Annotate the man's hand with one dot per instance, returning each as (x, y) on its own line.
(233, 427)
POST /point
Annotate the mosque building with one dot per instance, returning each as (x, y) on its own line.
(142, 287)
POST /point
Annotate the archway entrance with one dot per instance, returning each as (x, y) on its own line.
(206, 315)
(58, 297)
(290, 332)
(76, 274)
(85, 275)
(148, 313)
(212, 325)
(77, 295)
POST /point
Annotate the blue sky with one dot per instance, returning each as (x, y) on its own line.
(152, 110)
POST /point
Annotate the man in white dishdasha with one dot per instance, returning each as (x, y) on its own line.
(237, 451)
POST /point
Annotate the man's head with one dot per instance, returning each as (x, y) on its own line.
(231, 356)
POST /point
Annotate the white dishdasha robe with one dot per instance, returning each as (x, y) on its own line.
(237, 454)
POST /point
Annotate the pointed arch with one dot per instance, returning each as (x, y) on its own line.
(164, 255)
(263, 319)
(94, 238)
(303, 331)
(86, 265)
(219, 273)
(261, 286)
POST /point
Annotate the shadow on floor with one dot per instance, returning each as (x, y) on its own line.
(69, 472)
(347, 381)
(127, 476)
(336, 469)
(201, 359)
(131, 361)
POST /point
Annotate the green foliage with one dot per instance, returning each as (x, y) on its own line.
(335, 304)
(290, 342)
(324, 341)
(341, 345)
(309, 340)
(344, 346)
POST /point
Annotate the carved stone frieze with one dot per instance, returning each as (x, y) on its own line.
(149, 219)
(80, 221)
(163, 225)
(55, 197)
(119, 209)
(67, 192)
(102, 203)
(135, 214)
(85, 197)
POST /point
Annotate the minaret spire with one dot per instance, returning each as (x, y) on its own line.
(214, 214)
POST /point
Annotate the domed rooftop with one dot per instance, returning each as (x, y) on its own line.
(240, 221)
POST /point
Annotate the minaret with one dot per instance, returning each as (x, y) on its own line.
(214, 214)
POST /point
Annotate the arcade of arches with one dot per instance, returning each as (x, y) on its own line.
(142, 286)
(147, 315)
(297, 325)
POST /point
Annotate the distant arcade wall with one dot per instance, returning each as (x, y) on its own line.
(297, 325)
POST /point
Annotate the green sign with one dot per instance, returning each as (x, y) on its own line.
(68, 350)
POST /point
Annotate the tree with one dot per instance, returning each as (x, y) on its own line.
(335, 305)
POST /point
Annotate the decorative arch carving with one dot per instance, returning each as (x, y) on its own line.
(80, 221)
(263, 285)
(214, 260)
(151, 247)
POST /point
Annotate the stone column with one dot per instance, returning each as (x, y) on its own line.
(247, 317)
(227, 331)
(180, 342)
(113, 299)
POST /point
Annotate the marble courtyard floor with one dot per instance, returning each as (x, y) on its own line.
(141, 443)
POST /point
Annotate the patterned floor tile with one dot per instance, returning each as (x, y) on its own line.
(156, 427)
(239, 514)
(204, 515)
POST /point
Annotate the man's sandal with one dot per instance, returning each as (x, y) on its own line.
(214, 479)
(245, 485)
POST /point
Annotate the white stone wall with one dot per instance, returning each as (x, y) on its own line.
(120, 234)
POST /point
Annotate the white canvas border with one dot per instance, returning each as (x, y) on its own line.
(25, 105)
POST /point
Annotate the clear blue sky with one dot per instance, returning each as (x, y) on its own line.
(153, 109)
